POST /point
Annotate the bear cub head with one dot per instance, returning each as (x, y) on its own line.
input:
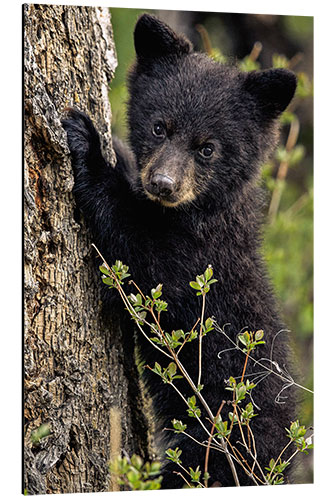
(198, 128)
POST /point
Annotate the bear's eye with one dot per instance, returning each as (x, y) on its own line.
(159, 130)
(206, 150)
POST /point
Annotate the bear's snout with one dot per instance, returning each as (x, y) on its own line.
(161, 185)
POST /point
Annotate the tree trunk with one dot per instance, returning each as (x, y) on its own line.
(77, 410)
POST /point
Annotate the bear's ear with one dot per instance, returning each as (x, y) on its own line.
(272, 90)
(154, 39)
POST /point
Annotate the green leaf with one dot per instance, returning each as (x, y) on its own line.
(195, 285)
(200, 280)
(195, 474)
(108, 281)
(208, 273)
(157, 368)
(104, 269)
(242, 339)
(192, 336)
(156, 292)
(247, 64)
(172, 369)
(280, 61)
(178, 334)
(178, 426)
(232, 416)
(191, 401)
(136, 461)
(208, 323)
(259, 335)
(217, 55)
(155, 468)
(161, 305)
(174, 455)
(210, 282)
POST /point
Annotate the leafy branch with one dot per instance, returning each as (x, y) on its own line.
(146, 311)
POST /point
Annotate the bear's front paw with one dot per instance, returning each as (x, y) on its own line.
(83, 140)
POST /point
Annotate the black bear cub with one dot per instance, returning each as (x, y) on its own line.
(185, 195)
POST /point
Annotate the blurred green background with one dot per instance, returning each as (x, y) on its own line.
(285, 41)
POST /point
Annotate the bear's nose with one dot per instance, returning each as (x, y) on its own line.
(162, 185)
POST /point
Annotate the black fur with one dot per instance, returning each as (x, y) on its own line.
(181, 101)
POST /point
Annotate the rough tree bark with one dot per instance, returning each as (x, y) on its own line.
(76, 387)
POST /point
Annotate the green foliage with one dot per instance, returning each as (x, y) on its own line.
(156, 292)
(193, 410)
(203, 281)
(217, 55)
(247, 64)
(168, 375)
(280, 61)
(222, 428)
(134, 474)
(290, 263)
(251, 339)
(195, 474)
(240, 390)
(176, 339)
(292, 157)
(123, 22)
(178, 426)
(304, 86)
(296, 433)
(247, 414)
(276, 471)
(174, 455)
(207, 326)
(119, 270)
(299, 28)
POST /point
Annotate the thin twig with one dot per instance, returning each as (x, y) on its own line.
(242, 461)
(210, 440)
(193, 439)
(279, 457)
(255, 52)
(200, 336)
(205, 39)
(245, 363)
(183, 478)
(295, 60)
(131, 282)
(240, 428)
(189, 334)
